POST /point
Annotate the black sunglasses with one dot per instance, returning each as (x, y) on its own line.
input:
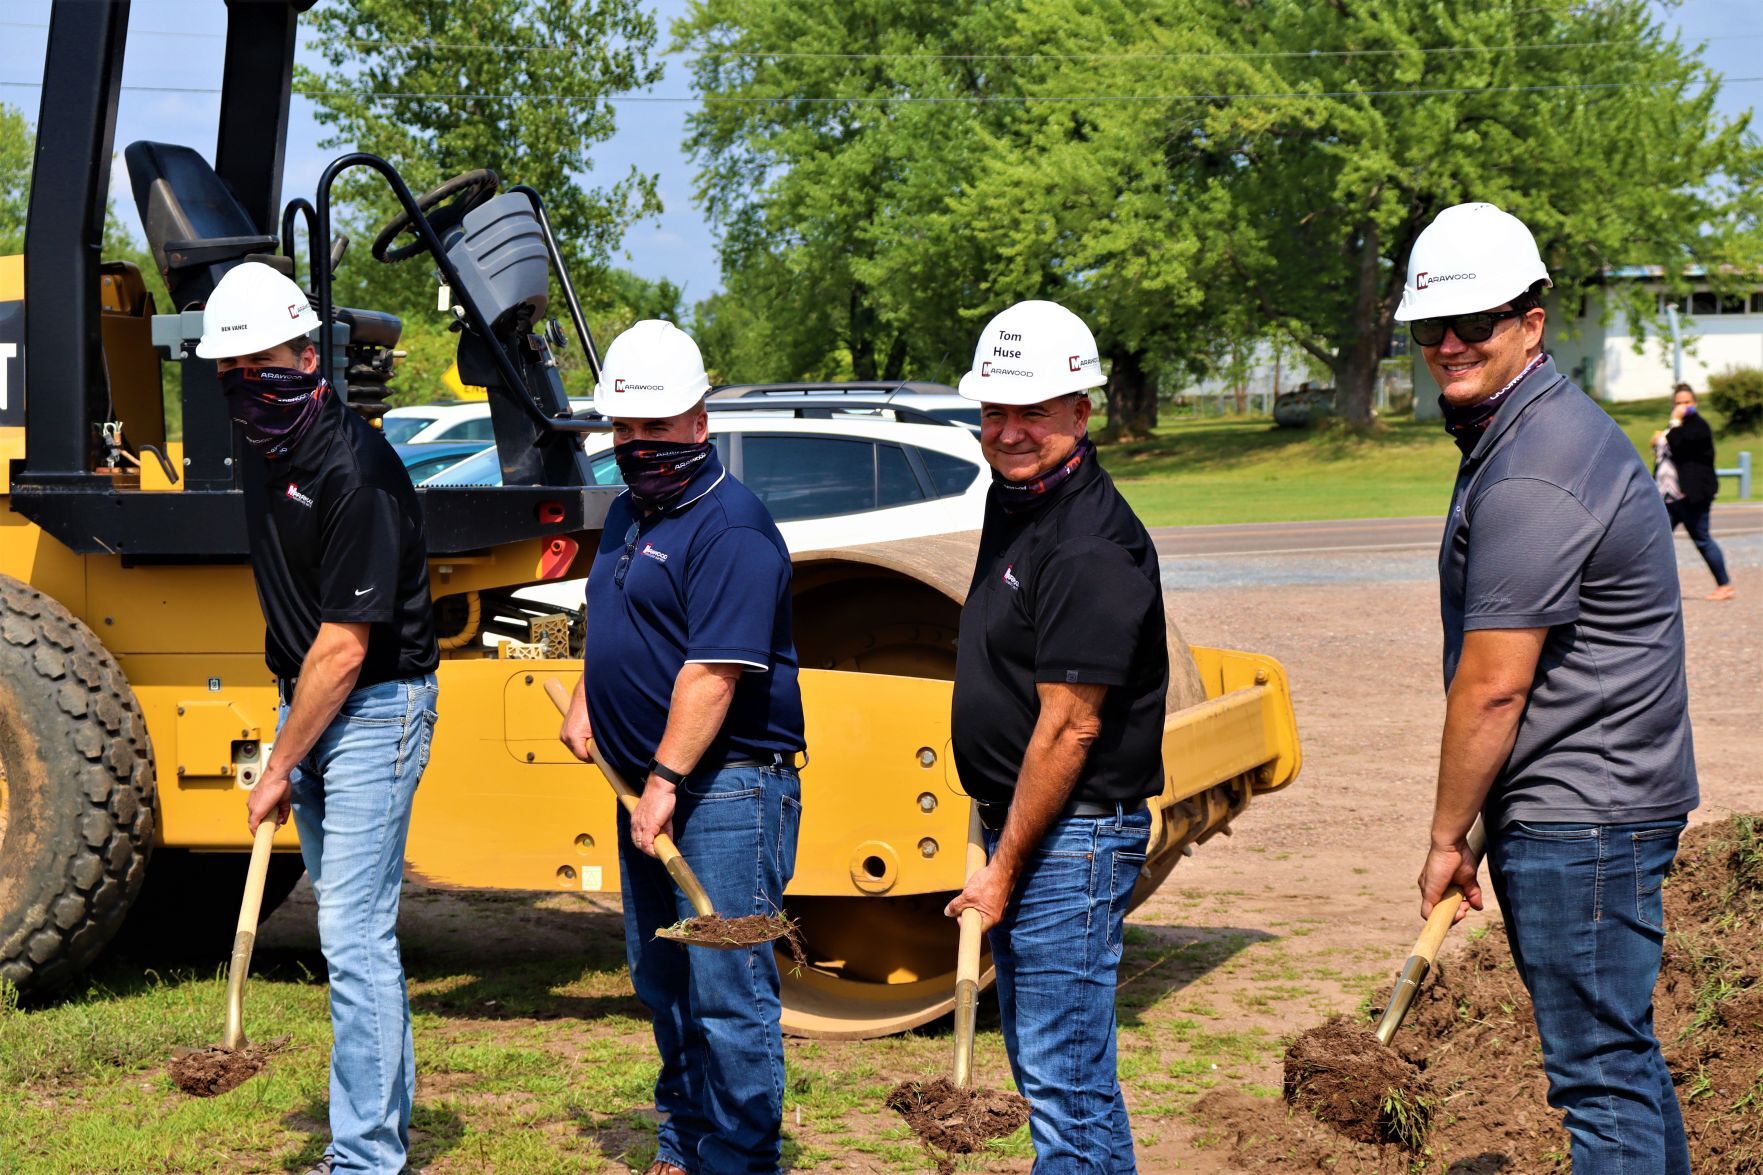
(624, 560)
(1469, 328)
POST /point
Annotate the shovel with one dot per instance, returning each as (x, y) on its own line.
(1426, 947)
(701, 936)
(967, 962)
(948, 1115)
(218, 1068)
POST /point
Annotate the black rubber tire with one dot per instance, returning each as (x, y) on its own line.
(77, 820)
(189, 907)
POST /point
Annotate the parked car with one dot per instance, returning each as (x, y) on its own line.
(939, 400)
(401, 425)
(830, 479)
(426, 460)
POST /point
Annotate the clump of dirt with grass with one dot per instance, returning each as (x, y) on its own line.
(751, 930)
(212, 1071)
(952, 1121)
(1342, 1075)
(1473, 1040)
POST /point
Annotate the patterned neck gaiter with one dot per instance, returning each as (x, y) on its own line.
(274, 406)
(1016, 496)
(1467, 424)
(658, 472)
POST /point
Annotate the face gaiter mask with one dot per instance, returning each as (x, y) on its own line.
(274, 406)
(658, 472)
(1466, 424)
(1016, 496)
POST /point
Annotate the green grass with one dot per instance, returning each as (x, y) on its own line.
(1243, 469)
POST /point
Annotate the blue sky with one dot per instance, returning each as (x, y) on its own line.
(677, 245)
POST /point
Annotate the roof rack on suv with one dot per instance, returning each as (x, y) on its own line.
(828, 407)
(883, 388)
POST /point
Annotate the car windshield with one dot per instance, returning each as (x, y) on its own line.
(399, 429)
(480, 469)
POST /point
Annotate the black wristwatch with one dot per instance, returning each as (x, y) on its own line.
(669, 774)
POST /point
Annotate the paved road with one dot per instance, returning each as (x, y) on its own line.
(1367, 534)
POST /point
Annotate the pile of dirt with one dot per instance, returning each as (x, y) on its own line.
(712, 930)
(214, 1070)
(1342, 1075)
(1472, 1035)
(953, 1121)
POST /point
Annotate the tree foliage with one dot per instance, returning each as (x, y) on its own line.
(1188, 175)
(440, 87)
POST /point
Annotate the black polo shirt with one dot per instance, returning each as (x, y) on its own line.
(1066, 591)
(336, 536)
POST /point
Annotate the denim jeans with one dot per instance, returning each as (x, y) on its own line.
(351, 798)
(1057, 951)
(1585, 916)
(716, 1012)
(1694, 520)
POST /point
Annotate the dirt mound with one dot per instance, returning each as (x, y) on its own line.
(1340, 1074)
(953, 1121)
(215, 1070)
(1472, 1035)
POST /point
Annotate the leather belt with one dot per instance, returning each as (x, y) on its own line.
(992, 816)
(774, 759)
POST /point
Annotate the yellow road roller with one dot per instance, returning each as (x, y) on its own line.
(135, 707)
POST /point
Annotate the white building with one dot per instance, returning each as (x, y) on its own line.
(1718, 332)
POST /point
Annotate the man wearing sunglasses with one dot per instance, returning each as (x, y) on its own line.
(689, 691)
(1566, 719)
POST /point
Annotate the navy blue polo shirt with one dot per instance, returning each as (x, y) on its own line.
(707, 580)
(1556, 524)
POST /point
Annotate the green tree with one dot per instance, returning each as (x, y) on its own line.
(825, 207)
(1334, 132)
(17, 142)
(440, 87)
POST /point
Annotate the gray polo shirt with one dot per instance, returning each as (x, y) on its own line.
(1556, 524)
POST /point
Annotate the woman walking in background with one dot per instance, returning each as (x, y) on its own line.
(1683, 455)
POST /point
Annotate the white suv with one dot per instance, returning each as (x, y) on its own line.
(835, 478)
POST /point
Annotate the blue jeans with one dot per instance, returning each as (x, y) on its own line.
(1694, 520)
(351, 798)
(716, 1012)
(1057, 951)
(1586, 919)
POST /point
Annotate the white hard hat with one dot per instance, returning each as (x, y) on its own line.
(1472, 257)
(252, 309)
(652, 370)
(1031, 353)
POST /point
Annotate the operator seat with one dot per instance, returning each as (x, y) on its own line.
(195, 227)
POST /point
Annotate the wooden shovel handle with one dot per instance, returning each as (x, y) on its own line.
(664, 847)
(245, 937)
(967, 962)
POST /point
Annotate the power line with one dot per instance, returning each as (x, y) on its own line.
(763, 55)
(904, 99)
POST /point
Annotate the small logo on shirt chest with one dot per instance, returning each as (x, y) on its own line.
(1010, 580)
(294, 495)
(658, 556)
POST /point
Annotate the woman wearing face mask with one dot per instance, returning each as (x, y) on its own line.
(1683, 455)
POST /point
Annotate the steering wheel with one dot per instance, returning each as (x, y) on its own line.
(467, 191)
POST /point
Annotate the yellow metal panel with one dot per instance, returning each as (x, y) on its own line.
(202, 811)
(167, 609)
(153, 477)
(29, 555)
(206, 732)
(11, 449)
(12, 278)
